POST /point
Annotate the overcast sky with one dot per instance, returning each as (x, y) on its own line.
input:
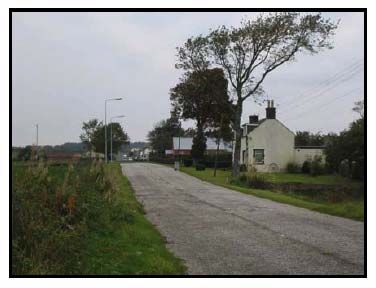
(65, 64)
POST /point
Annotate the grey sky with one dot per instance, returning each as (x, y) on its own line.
(66, 64)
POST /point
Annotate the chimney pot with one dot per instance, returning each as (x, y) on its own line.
(270, 110)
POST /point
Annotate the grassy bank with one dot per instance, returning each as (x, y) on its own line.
(82, 219)
(353, 209)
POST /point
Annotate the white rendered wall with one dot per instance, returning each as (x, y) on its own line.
(303, 154)
(277, 142)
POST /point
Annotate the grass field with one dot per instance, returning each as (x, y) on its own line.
(82, 219)
(349, 209)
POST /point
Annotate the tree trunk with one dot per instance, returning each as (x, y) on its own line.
(216, 158)
(238, 137)
(199, 144)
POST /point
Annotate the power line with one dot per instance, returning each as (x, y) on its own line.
(350, 68)
(322, 92)
(323, 105)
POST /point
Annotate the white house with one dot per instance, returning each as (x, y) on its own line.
(268, 145)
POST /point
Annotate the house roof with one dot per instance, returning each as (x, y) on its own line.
(186, 144)
(251, 127)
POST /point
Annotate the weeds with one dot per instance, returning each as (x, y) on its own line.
(50, 216)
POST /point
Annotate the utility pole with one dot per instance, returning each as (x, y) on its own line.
(120, 116)
(105, 125)
(37, 134)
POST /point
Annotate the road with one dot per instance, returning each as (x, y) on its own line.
(217, 231)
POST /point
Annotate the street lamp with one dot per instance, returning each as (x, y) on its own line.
(120, 116)
(105, 125)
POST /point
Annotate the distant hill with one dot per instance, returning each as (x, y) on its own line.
(79, 147)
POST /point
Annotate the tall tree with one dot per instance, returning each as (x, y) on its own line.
(93, 136)
(87, 136)
(305, 138)
(347, 147)
(160, 137)
(195, 98)
(249, 53)
(119, 137)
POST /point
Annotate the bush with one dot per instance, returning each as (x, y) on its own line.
(316, 166)
(187, 162)
(306, 167)
(292, 167)
(243, 168)
(243, 178)
(200, 167)
(54, 207)
(257, 181)
(220, 164)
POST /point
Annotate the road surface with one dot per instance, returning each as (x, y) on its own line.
(217, 231)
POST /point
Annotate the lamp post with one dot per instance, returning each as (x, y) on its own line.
(120, 116)
(105, 125)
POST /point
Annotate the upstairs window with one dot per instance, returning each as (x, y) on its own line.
(258, 156)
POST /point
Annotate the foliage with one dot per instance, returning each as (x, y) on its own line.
(160, 137)
(188, 162)
(87, 137)
(24, 154)
(347, 148)
(119, 138)
(202, 96)
(317, 167)
(252, 51)
(292, 167)
(198, 146)
(93, 136)
(306, 167)
(305, 138)
(52, 212)
(256, 180)
(243, 168)
(82, 219)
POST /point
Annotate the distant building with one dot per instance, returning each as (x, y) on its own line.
(183, 146)
(269, 146)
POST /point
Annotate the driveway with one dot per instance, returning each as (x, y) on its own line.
(218, 231)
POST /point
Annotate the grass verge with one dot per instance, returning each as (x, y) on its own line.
(349, 209)
(82, 219)
(134, 247)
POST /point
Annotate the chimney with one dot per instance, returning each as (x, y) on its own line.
(253, 119)
(270, 110)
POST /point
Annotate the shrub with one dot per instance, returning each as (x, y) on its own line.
(243, 168)
(54, 207)
(256, 180)
(188, 162)
(243, 178)
(200, 167)
(316, 166)
(292, 167)
(306, 167)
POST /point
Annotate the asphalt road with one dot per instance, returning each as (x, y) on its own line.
(219, 231)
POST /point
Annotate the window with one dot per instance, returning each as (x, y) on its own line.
(258, 156)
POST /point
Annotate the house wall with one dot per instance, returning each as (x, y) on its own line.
(277, 142)
(243, 147)
(303, 154)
